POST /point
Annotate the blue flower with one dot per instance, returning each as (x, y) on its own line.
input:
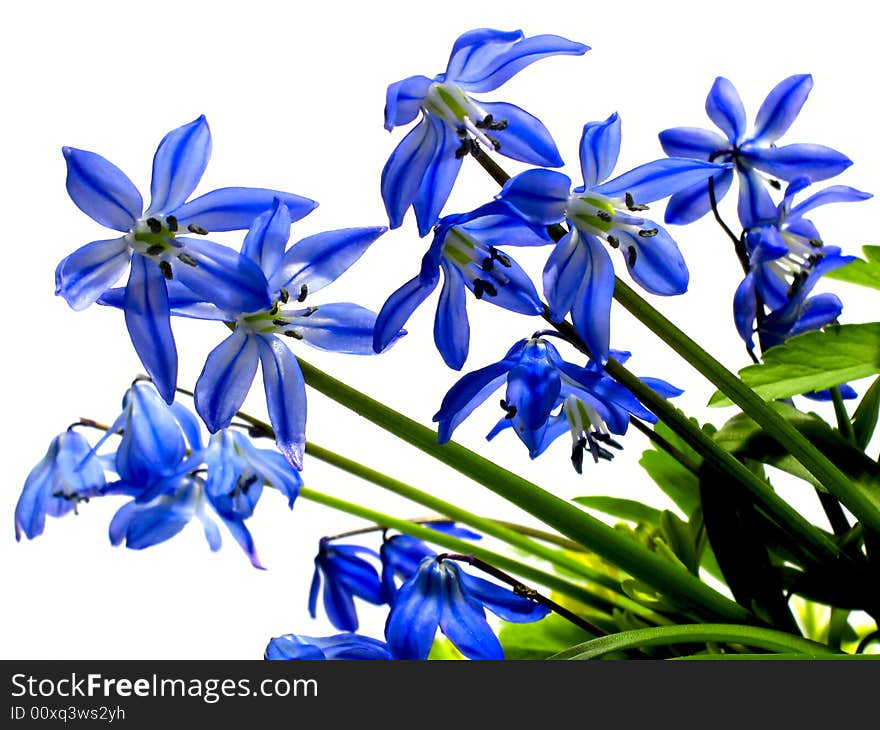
(150, 243)
(786, 259)
(441, 595)
(465, 250)
(69, 473)
(340, 646)
(750, 154)
(346, 575)
(579, 275)
(422, 169)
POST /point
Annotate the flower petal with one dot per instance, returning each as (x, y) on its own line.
(149, 324)
(781, 106)
(403, 100)
(439, 176)
(525, 138)
(591, 310)
(755, 206)
(178, 165)
(398, 308)
(564, 273)
(475, 49)
(694, 202)
(340, 327)
(725, 108)
(101, 190)
(451, 328)
(83, 276)
(745, 309)
(657, 264)
(832, 194)
(413, 619)
(226, 379)
(539, 196)
(694, 142)
(794, 160)
(285, 398)
(463, 621)
(267, 238)
(234, 209)
(660, 178)
(404, 170)
(502, 601)
(599, 149)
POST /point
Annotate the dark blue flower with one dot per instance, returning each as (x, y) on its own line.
(150, 243)
(69, 473)
(579, 275)
(422, 169)
(750, 154)
(340, 646)
(465, 250)
(346, 575)
(441, 595)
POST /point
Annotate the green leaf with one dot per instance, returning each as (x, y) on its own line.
(539, 639)
(865, 418)
(813, 361)
(864, 272)
(625, 509)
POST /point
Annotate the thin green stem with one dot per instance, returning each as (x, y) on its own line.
(677, 584)
(844, 423)
(682, 458)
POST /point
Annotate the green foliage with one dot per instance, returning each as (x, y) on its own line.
(540, 639)
(865, 418)
(864, 272)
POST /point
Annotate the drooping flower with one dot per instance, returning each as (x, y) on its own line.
(150, 243)
(69, 473)
(579, 274)
(442, 595)
(422, 169)
(346, 575)
(751, 153)
(345, 646)
(466, 250)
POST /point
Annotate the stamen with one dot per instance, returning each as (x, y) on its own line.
(292, 333)
(193, 228)
(510, 409)
(187, 259)
(484, 287)
(308, 311)
(303, 293)
(488, 264)
(171, 221)
(284, 295)
(613, 241)
(604, 215)
(648, 232)
(155, 249)
(165, 268)
(577, 455)
(631, 255)
(501, 258)
(631, 203)
(281, 323)
(154, 225)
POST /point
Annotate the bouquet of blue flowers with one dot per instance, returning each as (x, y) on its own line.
(723, 563)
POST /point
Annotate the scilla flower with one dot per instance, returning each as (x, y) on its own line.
(346, 575)
(151, 242)
(339, 646)
(423, 167)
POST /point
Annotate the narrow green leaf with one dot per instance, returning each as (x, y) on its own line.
(813, 361)
(539, 639)
(864, 272)
(865, 417)
(625, 509)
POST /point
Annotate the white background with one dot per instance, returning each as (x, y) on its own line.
(294, 95)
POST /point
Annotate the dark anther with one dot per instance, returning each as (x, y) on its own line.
(461, 133)
(648, 232)
(187, 259)
(816, 242)
(496, 145)
(291, 333)
(490, 123)
(604, 215)
(631, 255)
(155, 249)
(509, 409)
(501, 258)
(165, 268)
(280, 323)
(488, 264)
(285, 295)
(631, 203)
(245, 483)
(775, 184)
(275, 307)
(171, 221)
(308, 311)
(605, 438)
(193, 228)
(468, 147)
(303, 293)
(154, 225)
(613, 241)
(577, 455)
(482, 287)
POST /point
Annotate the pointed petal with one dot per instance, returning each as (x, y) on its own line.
(505, 229)
(189, 424)
(599, 149)
(564, 273)
(745, 310)
(525, 139)
(755, 206)
(320, 259)
(91, 270)
(539, 196)
(725, 108)
(243, 537)
(591, 311)
(451, 328)
(415, 615)
(403, 100)
(832, 194)
(657, 266)
(694, 142)
(226, 379)
(464, 622)
(660, 178)
(274, 468)
(817, 312)
(314, 590)
(267, 238)
(502, 601)
(794, 160)
(694, 202)
(149, 324)
(439, 176)
(533, 387)
(101, 190)
(514, 287)
(781, 106)
(340, 327)
(477, 48)
(234, 209)
(285, 398)
(404, 170)
(340, 608)
(398, 308)
(178, 165)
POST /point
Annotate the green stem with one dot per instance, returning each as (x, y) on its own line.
(753, 636)
(844, 424)
(563, 516)
(610, 592)
(553, 582)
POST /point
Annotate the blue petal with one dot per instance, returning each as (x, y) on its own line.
(243, 537)
(149, 324)
(660, 178)
(189, 424)
(285, 398)
(477, 48)
(539, 196)
(101, 190)
(226, 379)
(694, 202)
(817, 312)
(504, 229)
(404, 170)
(403, 100)
(142, 525)
(438, 177)
(745, 309)
(533, 386)
(525, 139)
(591, 311)
(178, 165)
(234, 209)
(345, 646)
(599, 150)
(794, 160)
(223, 277)
(463, 621)
(274, 469)
(755, 206)
(781, 106)
(83, 276)
(725, 108)
(267, 238)
(514, 287)
(502, 601)
(487, 67)
(832, 194)
(693, 142)
(661, 387)
(564, 273)
(657, 266)
(314, 590)
(451, 328)
(320, 259)
(415, 615)
(399, 307)
(340, 327)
